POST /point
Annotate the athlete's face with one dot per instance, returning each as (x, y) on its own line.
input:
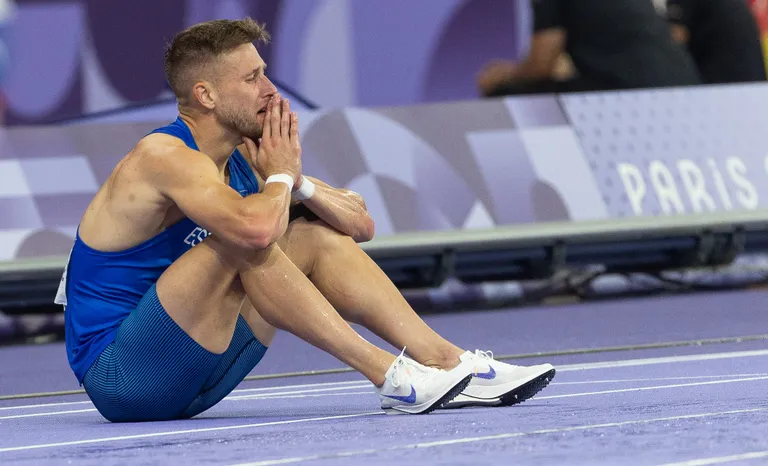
(243, 91)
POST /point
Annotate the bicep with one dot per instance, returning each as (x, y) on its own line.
(191, 181)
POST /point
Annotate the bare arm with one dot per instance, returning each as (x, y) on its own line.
(191, 180)
(547, 47)
(342, 209)
(546, 53)
(548, 41)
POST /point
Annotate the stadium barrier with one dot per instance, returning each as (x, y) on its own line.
(507, 189)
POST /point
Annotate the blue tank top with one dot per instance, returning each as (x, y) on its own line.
(100, 289)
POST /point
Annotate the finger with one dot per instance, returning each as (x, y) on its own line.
(276, 114)
(294, 128)
(267, 130)
(249, 144)
(285, 121)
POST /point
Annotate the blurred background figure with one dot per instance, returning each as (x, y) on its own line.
(7, 12)
(616, 44)
(722, 36)
(760, 11)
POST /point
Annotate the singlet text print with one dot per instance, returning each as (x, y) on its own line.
(197, 236)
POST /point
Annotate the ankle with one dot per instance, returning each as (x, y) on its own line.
(446, 360)
(378, 376)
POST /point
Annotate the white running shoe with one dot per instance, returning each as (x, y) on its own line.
(495, 383)
(412, 388)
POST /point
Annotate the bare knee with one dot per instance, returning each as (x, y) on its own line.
(325, 236)
(305, 241)
(235, 257)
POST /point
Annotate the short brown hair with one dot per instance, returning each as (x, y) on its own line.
(199, 44)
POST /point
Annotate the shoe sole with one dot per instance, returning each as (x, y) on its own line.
(447, 398)
(472, 402)
(527, 390)
(514, 396)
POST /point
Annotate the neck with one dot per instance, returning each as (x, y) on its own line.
(212, 139)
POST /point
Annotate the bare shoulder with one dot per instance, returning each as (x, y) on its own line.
(132, 205)
(159, 149)
(160, 158)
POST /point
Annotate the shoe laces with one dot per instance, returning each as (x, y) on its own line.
(488, 356)
(406, 369)
(484, 354)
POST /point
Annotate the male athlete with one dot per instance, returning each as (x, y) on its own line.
(182, 267)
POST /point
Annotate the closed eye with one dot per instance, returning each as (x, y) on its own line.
(258, 72)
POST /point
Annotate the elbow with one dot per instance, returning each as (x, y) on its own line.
(260, 229)
(255, 239)
(261, 242)
(259, 235)
(365, 226)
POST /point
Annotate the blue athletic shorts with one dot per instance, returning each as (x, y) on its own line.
(154, 371)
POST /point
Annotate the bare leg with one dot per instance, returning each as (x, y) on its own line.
(261, 329)
(362, 293)
(203, 292)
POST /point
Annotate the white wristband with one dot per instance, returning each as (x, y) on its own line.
(305, 191)
(281, 178)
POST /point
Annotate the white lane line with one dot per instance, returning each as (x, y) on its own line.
(310, 394)
(660, 360)
(365, 384)
(657, 387)
(271, 396)
(263, 397)
(659, 379)
(314, 395)
(563, 368)
(184, 432)
(45, 405)
(276, 396)
(721, 459)
(306, 385)
(277, 389)
(487, 438)
(20, 416)
(299, 392)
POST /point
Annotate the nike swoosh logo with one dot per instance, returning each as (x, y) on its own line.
(490, 375)
(405, 399)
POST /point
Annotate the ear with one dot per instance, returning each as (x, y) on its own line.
(205, 94)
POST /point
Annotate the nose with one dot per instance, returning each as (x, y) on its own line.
(269, 89)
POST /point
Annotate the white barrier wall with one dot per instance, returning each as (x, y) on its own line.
(451, 166)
